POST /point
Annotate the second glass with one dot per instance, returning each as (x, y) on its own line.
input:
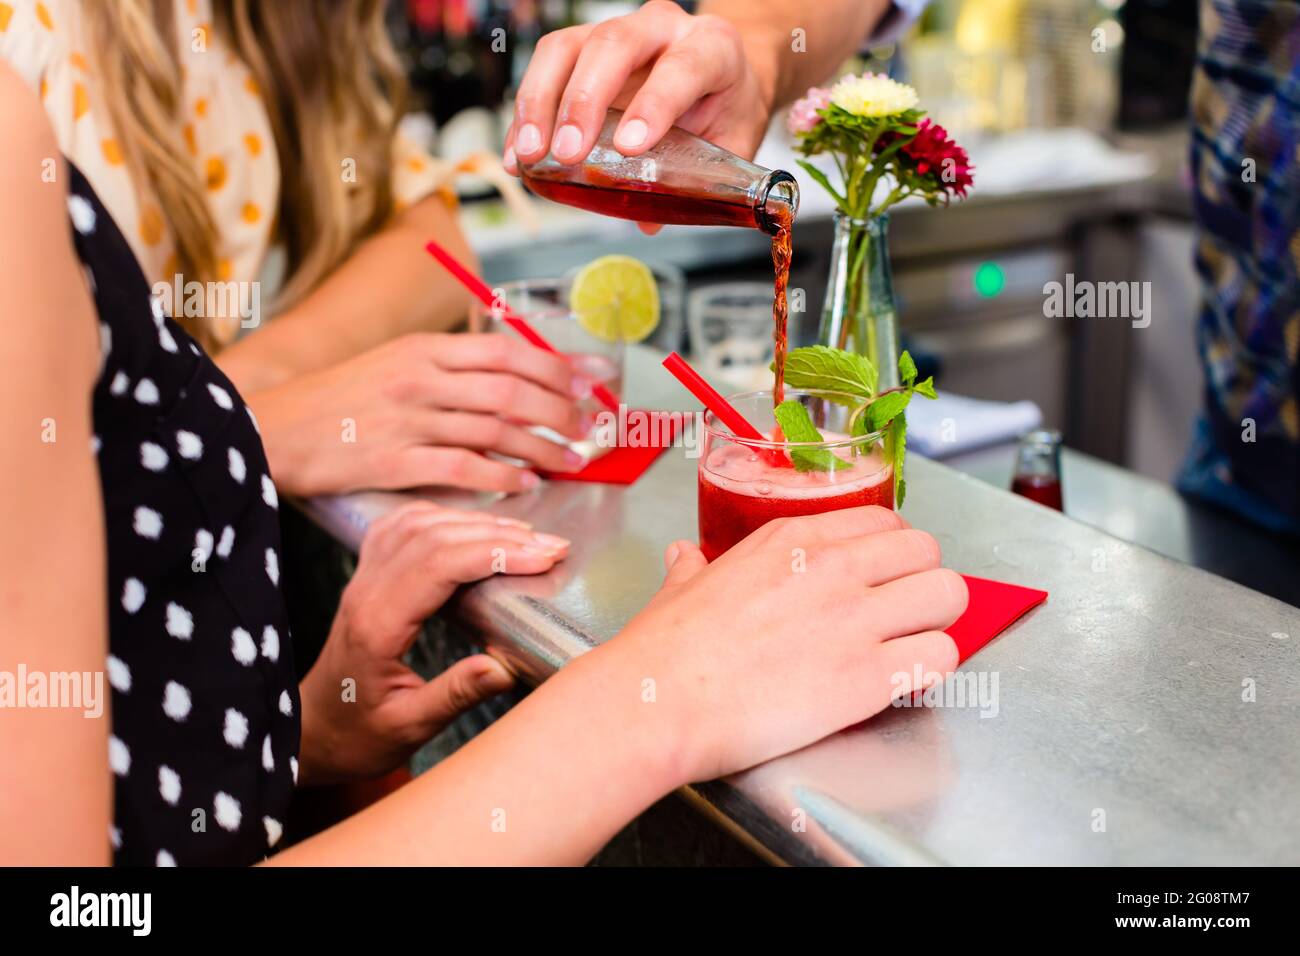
(742, 487)
(544, 304)
(730, 325)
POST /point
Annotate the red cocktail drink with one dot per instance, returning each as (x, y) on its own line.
(731, 510)
(745, 484)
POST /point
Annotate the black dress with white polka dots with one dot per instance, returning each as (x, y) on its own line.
(205, 723)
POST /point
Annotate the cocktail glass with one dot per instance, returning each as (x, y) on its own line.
(544, 304)
(743, 483)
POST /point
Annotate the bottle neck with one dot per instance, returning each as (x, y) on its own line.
(1039, 455)
(777, 202)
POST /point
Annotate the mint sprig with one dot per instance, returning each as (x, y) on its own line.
(797, 426)
(826, 369)
(896, 451)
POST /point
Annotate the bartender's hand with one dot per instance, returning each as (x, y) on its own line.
(807, 626)
(661, 65)
(363, 710)
(421, 410)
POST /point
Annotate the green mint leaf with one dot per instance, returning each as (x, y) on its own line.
(832, 370)
(891, 404)
(887, 407)
(906, 368)
(895, 451)
(797, 426)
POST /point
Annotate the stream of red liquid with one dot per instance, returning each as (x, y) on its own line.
(780, 307)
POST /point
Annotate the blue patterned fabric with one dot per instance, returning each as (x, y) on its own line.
(1245, 155)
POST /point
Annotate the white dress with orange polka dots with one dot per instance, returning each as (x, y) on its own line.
(227, 134)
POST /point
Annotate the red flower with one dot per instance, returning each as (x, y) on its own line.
(934, 154)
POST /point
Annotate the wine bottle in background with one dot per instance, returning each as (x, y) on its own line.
(527, 28)
(495, 38)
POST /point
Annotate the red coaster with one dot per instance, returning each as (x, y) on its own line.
(994, 606)
(642, 437)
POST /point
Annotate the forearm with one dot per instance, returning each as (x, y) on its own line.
(387, 288)
(832, 31)
(56, 792)
(549, 784)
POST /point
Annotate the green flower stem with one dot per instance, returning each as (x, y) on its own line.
(897, 195)
(860, 296)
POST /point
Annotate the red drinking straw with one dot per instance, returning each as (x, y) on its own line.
(711, 400)
(480, 291)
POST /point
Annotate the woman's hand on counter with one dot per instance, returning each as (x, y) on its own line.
(806, 627)
(421, 410)
(363, 710)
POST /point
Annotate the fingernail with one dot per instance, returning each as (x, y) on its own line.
(632, 134)
(580, 387)
(528, 481)
(493, 680)
(671, 557)
(573, 460)
(567, 142)
(555, 542)
(586, 421)
(539, 549)
(514, 522)
(529, 139)
(508, 160)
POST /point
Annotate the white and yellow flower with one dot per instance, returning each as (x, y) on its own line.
(873, 95)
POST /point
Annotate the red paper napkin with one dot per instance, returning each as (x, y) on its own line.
(626, 463)
(994, 606)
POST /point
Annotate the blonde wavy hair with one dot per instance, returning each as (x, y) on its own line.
(333, 88)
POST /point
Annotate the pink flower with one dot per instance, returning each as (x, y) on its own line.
(803, 116)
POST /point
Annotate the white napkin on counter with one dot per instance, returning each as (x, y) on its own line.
(952, 423)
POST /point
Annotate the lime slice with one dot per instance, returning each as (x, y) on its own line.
(616, 299)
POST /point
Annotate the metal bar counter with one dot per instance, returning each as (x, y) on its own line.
(1148, 713)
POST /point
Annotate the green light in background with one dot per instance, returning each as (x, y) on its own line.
(989, 279)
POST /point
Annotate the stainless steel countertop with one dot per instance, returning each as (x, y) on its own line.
(1120, 736)
(1139, 509)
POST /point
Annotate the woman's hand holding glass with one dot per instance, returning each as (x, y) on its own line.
(808, 626)
(422, 410)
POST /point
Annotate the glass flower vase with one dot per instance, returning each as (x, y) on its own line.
(859, 314)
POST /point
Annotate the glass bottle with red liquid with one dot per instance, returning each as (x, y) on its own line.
(1038, 468)
(682, 180)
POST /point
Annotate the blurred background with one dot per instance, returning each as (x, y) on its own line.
(1075, 115)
